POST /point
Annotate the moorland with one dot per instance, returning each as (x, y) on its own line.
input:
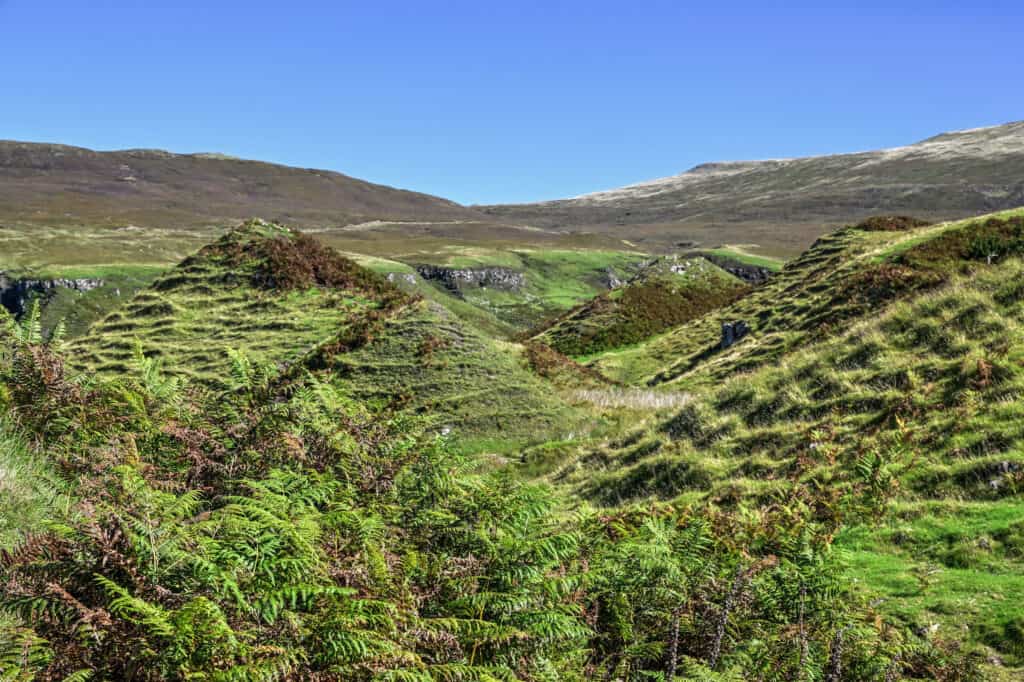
(376, 435)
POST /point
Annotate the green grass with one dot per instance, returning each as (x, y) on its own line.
(34, 247)
(426, 361)
(414, 356)
(666, 293)
(739, 254)
(954, 568)
(555, 279)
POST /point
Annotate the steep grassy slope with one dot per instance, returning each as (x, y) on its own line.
(225, 298)
(283, 300)
(667, 292)
(842, 277)
(884, 378)
(782, 205)
(424, 360)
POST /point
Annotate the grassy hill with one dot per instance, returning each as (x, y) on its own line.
(283, 301)
(358, 480)
(664, 294)
(237, 294)
(62, 205)
(882, 374)
(843, 276)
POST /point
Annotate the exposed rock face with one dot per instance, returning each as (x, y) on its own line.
(732, 332)
(611, 279)
(749, 273)
(399, 277)
(15, 293)
(455, 279)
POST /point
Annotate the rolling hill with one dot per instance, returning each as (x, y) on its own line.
(286, 304)
(882, 367)
(64, 206)
(58, 184)
(667, 292)
(782, 205)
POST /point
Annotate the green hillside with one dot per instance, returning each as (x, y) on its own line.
(259, 289)
(843, 276)
(664, 294)
(275, 463)
(549, 281)
(882, 381)
(424, 360)
(278, 299)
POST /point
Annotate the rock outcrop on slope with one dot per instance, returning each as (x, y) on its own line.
(455, 279)
(16, 293)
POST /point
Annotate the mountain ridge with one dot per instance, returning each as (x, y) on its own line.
(784, 204)
(56, 183)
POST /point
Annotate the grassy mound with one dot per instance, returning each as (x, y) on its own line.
(667, 293)
(284, 300)
(841, 278)
(261, 289)
(907, 418)
(423, 360)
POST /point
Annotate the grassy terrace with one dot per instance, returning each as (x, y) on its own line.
(191, 320)
(905, 390)
(426, 360)
(399, 352)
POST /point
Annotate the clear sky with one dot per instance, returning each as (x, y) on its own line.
(487, 102)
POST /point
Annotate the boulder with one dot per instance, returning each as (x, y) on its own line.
(732, 332)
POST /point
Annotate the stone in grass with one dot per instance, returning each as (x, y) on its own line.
(733, 332)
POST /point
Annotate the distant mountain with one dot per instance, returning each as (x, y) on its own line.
(780, 205)
(57, 184)
(784, 204)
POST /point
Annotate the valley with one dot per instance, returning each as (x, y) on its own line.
(757, 421)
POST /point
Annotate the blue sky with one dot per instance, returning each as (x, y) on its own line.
(488, 102)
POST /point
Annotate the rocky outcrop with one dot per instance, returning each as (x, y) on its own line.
(749, 273)
(406, 278)
(457, 279)
(610, 278)
(732, 332)
(15, 294)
